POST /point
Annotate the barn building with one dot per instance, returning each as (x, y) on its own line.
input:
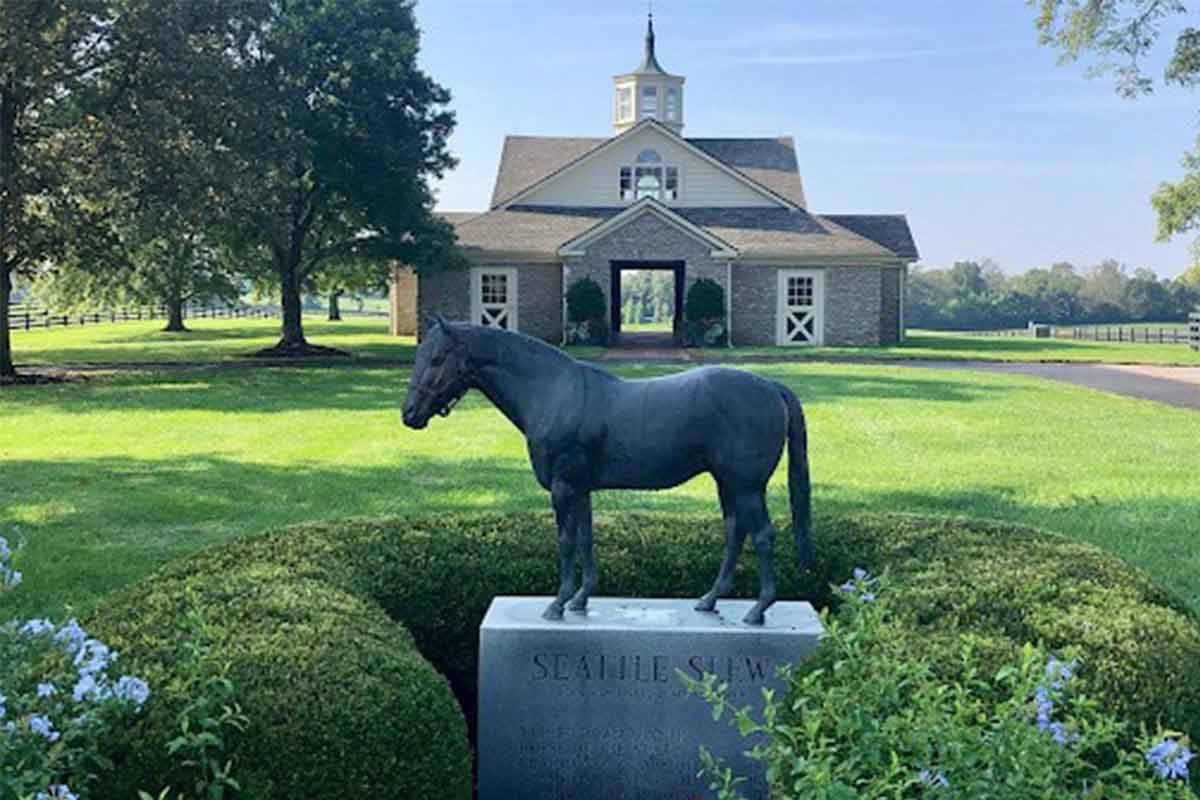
(732, 210)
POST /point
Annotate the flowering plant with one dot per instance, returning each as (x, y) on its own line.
(871, 717)
(58, 697)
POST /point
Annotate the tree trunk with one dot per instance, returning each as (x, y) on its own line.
(175, 317)
(7, 370)
(293, 326)
(335, 311)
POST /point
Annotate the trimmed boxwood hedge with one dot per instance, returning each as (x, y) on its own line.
(343, 701)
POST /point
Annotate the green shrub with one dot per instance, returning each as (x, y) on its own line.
(587, 313)
(704, 314)
(342, 698)
(879, 721)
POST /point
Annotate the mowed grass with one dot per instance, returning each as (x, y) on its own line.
(111, 477)
(938, 346)
(236, 340)
(208, 340)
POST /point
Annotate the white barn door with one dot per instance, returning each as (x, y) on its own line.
(801, 313)
(494, 297)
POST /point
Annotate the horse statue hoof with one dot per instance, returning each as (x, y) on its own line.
(577, 605)
(553, 612)
(706, 605)
(755, 617)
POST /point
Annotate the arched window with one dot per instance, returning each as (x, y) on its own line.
(649, 178)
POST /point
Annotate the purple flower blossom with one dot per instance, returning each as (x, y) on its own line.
(60, 792)
(71, 637)
(46, 690)
(934, 780)
(41, 725)
(133, 690)
(1170, 759)
(5, 550)
(3, 710)
(37, 627)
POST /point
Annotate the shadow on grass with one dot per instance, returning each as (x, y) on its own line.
(125, 516)
(335, 388)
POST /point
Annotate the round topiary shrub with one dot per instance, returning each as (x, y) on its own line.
(704, 314)
(587, 313)
(336, 632)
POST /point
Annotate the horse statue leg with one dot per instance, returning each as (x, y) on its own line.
(735, 539)
(587, 555)
(755, 507)
(566, 500)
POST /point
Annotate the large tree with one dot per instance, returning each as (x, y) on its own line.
(338, 133)
(48, 51)
(1121, 35)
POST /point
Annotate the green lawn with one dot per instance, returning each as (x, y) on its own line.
(111, 477)
(230, 340)
(208, 340)
(934, 345)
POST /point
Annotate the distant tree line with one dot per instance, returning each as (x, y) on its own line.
(978, 295)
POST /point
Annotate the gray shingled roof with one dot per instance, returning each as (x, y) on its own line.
(776, 232)
(527, 160)
(889, 230)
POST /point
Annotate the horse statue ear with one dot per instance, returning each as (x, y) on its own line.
(438, 321)
(447, 330)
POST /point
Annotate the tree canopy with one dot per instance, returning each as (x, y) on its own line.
(337, 133)
(1122, 36)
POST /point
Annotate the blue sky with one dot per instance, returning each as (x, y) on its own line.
(947, 111)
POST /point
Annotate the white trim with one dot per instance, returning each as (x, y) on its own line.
(729, 303)
(641, 125)
(509, 310)
(903, 291)
(782, 310)
(647, 205)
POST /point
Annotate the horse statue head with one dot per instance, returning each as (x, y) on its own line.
(440, 377)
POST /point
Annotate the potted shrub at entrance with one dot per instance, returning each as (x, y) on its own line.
(587, 314)
(704, 315)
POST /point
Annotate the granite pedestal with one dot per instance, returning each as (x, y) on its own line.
(592, 708)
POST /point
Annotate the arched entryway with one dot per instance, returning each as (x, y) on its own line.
(671, 338)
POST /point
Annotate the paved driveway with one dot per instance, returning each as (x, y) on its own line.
(1174, 386)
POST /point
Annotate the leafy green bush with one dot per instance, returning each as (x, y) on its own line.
(585, 300)
(342, 699)
(587, 314)
(704, 314)
(878, 721)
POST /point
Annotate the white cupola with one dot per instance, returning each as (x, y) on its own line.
(649, 92)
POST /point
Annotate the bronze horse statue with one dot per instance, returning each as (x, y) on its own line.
(588, 430)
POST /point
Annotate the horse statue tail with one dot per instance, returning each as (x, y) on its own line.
(799, 483)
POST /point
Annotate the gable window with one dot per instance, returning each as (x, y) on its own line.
(649, 102)
(672, 103)
(649, 178)
(625, 103)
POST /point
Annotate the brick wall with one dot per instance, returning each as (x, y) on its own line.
(445, 292)
(539, 298)
(889, 319)
(754, 305)
(647, 238)
(853, 306)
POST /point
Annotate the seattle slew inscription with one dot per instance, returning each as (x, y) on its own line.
(593, 707)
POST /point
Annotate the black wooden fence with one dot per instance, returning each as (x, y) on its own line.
(1145, 334)
(29, 317)
(1194, 329)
